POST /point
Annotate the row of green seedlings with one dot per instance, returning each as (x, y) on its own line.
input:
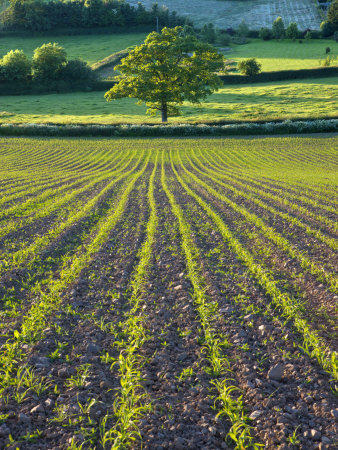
(63, 196)
(131, 402)
(10, 193)
(47, 189)
(232, 405)
(37, 317)
(36, 166)
(36, 382)
(63, 206)
(253, 157)
(17, 161)
(269, 174)
(39, 191)
(9, 181)
(37, 158)
(291, 158)
(292, 191)
(330, 242)
(31, 255)
(312, 344)
(317, 271)
(289, 204)
(33, 250)
(124, 407)
(297, 196)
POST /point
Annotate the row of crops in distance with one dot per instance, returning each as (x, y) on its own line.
(168, 293)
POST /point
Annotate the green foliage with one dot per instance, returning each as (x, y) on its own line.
(48, 61)
(327, 28)
(39, 15)
(278, 28)
(15, 66)
(292, 31)
(249, 67)
(223, 38)
(208, 33)
(308, 36)
(332, 14)
(168, 69)
(77, 70)
(243, 29)
(265, 34)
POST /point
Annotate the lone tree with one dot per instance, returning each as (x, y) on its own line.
(278, 28)
(249, 67)
(167, 69)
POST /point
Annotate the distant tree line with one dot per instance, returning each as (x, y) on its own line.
(39, 15)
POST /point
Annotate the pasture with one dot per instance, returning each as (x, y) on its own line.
(265, 101)
(90, 48)
(168, 292)
(285, 54)
(273, 55)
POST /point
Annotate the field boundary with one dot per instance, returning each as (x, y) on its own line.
(61, 87)
(131, 130)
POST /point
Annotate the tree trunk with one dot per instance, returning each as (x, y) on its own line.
(164, 112)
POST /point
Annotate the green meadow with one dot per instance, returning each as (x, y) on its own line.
(285, 54)
(303, 98)
(273, 55)
(90, 48)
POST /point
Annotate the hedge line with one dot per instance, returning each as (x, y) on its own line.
(32, 88)
(321, 72)
(269, 128)
(263, 77)
(58, 87)
(281, 75)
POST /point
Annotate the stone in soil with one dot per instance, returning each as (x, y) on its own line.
(255, 415)
(93, 348)
(4, 430)
(276, 372)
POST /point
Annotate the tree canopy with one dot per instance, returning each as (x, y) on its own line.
(167, 69)
(48, 60)
(332, 15)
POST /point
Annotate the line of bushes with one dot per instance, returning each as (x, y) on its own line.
(48, 70)
(35, 87)
(280, 75)
(244, 129)
(263, 77)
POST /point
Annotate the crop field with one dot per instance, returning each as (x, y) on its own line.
(168, 293)
(257, 13)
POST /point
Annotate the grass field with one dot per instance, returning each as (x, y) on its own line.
(313, 98)
(273, 55)
(90, 48)
(283, 55)
(178, 290)
(257, 13)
